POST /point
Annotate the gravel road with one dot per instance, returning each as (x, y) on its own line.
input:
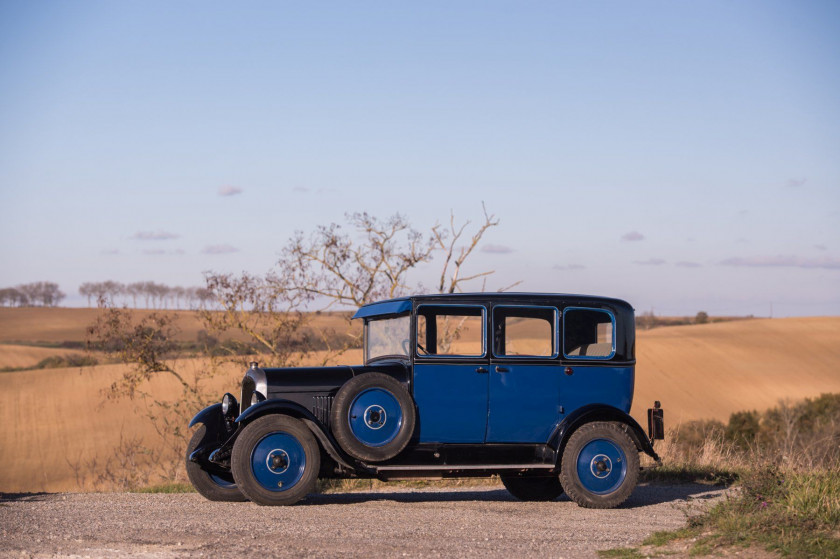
(473, 522)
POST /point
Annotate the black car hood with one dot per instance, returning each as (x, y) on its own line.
(325, 379)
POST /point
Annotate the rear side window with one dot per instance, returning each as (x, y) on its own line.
(588, 334)
(524, 331)
(450, 330)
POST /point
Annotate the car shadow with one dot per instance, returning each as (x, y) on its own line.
(644, 495)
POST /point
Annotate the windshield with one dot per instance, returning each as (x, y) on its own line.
(387, 336)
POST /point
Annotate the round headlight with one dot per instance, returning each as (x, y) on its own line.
(228, 404)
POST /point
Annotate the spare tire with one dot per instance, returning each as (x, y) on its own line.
(373, 417)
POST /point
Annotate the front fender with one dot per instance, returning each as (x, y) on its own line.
(210, 414)
(294, 409)
(600, 412)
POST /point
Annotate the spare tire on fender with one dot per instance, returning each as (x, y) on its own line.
(373, 417)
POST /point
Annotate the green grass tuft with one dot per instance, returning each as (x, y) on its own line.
(167, 488)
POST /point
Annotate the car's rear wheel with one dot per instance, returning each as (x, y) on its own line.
(276, 460)
(533, 488)
(214, 486)
(600, 466)
(373, 417)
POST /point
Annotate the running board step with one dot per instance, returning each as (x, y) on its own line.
(463, 467)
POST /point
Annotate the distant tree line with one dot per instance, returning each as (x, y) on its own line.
(37, 294)
(150, 294)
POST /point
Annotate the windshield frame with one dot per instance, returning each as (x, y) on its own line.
(395, 343)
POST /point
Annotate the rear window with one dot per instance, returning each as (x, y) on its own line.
(524, 331)
(588, 334)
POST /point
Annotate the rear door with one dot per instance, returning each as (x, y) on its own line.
(525, 374)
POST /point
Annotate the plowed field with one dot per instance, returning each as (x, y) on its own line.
(56, 422)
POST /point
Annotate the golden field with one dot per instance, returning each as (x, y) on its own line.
(57, 421)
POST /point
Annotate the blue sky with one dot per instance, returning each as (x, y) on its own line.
(683, 156)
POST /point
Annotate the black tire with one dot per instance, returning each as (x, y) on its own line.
(373, 417)
(533, 488)
(276, 460)
(600, 465)
(216, 486)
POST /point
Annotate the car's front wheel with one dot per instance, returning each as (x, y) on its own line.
(533, 488)
(214, 486)
(276, 460)
(600, 465)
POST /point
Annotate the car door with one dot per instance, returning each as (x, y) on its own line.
(525, 374)
(451, 375)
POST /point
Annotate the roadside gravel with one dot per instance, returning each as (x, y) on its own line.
(396, 522)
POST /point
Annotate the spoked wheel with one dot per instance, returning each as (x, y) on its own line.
(533, 488)
(373, 417)
(276, 460)
(214, 486)
(600, 465)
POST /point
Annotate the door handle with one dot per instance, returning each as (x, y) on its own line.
(502, 370)
(481, 369)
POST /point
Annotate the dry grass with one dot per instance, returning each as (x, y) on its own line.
(710, 371)
(56, 325)
(27, 357)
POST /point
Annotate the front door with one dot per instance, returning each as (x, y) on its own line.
(451, 373)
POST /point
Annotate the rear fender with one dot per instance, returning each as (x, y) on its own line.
(600, 412)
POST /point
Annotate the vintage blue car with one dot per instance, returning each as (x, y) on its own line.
(534, 388)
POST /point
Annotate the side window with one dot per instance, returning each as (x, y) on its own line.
(450, 330)
(524, 331)
(588, 334)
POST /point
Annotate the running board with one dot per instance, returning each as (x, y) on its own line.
(444, 467)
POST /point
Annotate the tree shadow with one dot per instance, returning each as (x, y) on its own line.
(15, 497)
(644, 495)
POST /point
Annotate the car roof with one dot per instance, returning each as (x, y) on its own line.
(400, 305)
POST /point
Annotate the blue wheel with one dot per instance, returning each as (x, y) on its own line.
(600, 465)
(275, 460)
(373, 417)
(278, 461)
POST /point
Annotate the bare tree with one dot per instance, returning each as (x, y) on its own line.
(12, 297)
(331, 265)
(334, 266)
(149, 346)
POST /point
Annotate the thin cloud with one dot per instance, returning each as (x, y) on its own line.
(154, 236)
(650, 262)
(219, 249)
(497, 249)
(633, 236)
(686, 264)
(229, 190)
(110, 251)
(795, 183)
(568, 267)
(300, 189)
(782, 261)
(820, 247)
(162, 252)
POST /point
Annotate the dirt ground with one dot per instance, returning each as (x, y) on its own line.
(473, 522)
